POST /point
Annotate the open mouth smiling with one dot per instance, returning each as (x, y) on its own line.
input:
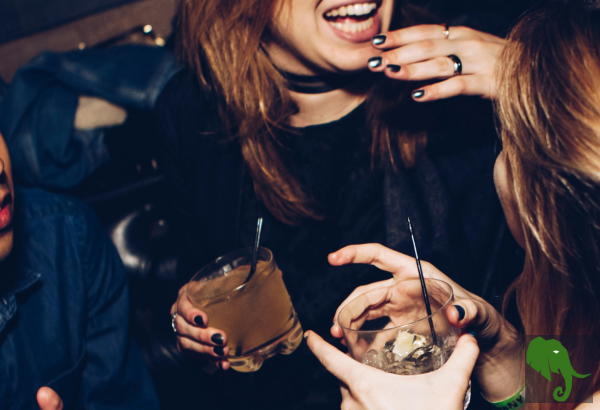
(352, 18)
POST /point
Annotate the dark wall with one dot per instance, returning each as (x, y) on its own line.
(19, 18)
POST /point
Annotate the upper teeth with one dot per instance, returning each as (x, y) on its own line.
(352, 10)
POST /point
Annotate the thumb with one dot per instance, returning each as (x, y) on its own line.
(462, 361)
(48, 399)
(336, 362)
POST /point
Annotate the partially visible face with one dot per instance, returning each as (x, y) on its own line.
(6, 202)
(505, 188)
(316, 36)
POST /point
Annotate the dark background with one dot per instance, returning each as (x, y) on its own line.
(19, 18)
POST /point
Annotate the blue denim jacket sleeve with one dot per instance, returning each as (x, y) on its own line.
(114, 375)
(37, 113)
(65, 324)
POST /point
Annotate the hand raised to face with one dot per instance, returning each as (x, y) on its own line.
(431, 52)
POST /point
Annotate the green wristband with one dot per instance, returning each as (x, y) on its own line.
(514, 402)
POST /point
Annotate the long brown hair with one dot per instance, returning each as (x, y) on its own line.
(220, 40)
(549, 115)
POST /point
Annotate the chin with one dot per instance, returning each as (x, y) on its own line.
(353, 61)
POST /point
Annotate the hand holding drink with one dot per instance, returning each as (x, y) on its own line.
(366, 387)
(256, 316)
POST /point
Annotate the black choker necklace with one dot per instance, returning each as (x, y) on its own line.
(317, 84)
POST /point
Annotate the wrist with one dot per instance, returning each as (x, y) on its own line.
(501, 371)
(515, 402)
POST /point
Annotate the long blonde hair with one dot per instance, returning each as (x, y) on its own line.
(549, 115)
(220, 40)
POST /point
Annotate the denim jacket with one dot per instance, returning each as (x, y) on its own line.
(37, 113)
(64, 312)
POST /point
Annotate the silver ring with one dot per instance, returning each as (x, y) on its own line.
(457, 64)
(446, 31)
(173, 325)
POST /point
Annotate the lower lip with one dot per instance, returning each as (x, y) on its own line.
(5, 216)
(362, 36)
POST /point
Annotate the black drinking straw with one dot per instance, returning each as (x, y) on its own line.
(259, 224)
(423, 287)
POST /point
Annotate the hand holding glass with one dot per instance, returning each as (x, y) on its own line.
(257, 316)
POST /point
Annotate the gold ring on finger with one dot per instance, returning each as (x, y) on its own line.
(457, 64)
(446, 30)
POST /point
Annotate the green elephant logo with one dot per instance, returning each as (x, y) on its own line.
(546, 356)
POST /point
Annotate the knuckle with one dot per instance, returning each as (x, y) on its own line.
(422, 30)
(390, 56)
(444, 65)
(463, 31)
(461, 84)
(433, 93)
(476, 45)
(184, 343)
(426, 46)
(409, 71)
(202, 335)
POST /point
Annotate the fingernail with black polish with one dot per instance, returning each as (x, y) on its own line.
(305, 335)
(219, 350)
(379, 39)
(199, 321)
(332, 324)
(217, 338)
(393, 68)
(473, 333)
(461, 312)
(375, 62)
(418, 93)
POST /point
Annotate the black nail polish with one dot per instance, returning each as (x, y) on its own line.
(379, 39)
(217, 338)
(461, 312)
(394, 68)
(219, 350)
(199, 321)
(418, 93)
(375, 62)
(332, 324)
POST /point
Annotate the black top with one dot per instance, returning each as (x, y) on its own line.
(332, 162)
(449, 196)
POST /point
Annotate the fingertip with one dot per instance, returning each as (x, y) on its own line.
(334, 258)
(375, 63)
(378, 41)
(336, 331)
(225, 365)
(467, 340)
(199, 320)
(418, 95)
(48, 399)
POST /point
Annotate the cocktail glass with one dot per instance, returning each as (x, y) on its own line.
(388, 327)
(257, 316)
